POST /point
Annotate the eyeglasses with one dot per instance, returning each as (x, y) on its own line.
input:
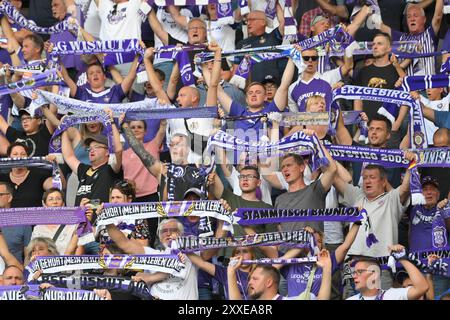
(169, 230)
(360, 271)
(247, 176)
(96, 148)
(270, 85)
(310, 58)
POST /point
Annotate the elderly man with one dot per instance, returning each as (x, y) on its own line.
(257, 37)
(427, 37)
(163, 286)
(366, 276)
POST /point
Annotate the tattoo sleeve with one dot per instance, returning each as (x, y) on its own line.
(147, 159)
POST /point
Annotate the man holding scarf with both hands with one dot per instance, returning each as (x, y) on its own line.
(384, 206)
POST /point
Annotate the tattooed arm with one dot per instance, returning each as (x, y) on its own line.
(154, 166)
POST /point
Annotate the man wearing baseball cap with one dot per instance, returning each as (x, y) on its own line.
(97, 178)
(36, 134)
(428, 225)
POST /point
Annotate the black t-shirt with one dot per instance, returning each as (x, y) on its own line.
(262, 69)
(95, 184)
(37, 143)
(376, 77)
(28, 193)
(180, 178)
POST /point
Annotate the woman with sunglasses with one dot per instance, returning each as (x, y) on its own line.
(64, 236)
(136, 230)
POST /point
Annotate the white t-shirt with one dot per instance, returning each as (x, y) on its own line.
(439, 105)
(390, 294)
(233, 179)
(171, 27)
(175, 288)
(125, 24)
(224, 34)
(93, 22)
(384, 212)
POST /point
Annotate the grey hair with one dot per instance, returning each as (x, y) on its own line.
(166, 221)
(198, 19)
(413, 5)
(47, 241)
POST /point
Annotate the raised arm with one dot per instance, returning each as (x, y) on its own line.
(342, 250)
(68, 154)
(224, 99)
(173, 82)
(158, 28)
(206, 266)
(154, 166)
(327, 6)
(152, 77)
(127, 245)
(419, 283)
(324, 262)
(127, 82)
(359, 19)
(437, 17)
(233, 290)
(211, 98)
(281, 96)
(404, 187)
(178, 17)
(118, 148)
(10, 259)
(69, 82)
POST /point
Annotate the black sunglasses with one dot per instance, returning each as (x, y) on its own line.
(310, 58)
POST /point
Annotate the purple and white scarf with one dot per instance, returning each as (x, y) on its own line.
(418, 137)
(251, 216)
(417, 83)
(243, 5)
(290, 24)
(70, 121)
(12, 13)
(281, 261)
(446, 6)
(94, 281)
(167, 263)
(173, 113)
(420, 260)
(117, 51)
(446, 66)
(48, 215)
(81, 108)
(36, 67)
(297, 238)
(47, 78)
(34, 292)
(295, 143)
(113, 213)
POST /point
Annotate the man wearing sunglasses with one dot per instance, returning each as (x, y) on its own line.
(311, 82)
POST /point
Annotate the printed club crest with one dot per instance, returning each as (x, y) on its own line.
(439, 237)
